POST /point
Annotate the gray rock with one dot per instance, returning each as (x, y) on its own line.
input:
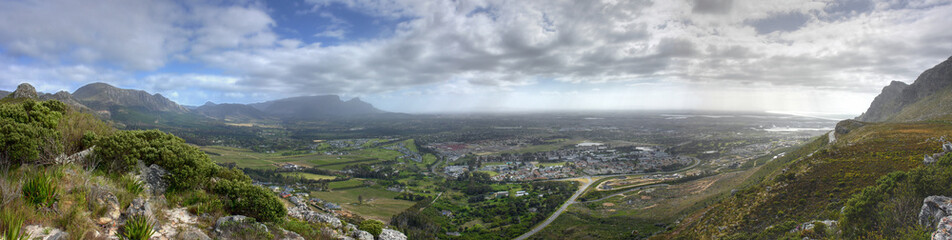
(363, 235)
(943, 230)
(25, 90)
(79, 157)
(237, 225)
(140, 206)
(304, 213)
(100, 197)
(345, 238)
(45, 233)
(390, 234)
(154, 178)
(947, 147)
(934, 208)
(928, 160)
(289, 235)
(193, 234)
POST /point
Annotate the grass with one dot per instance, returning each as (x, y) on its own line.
(378, 202)
(248, 159)
(491, 173)
(136, 228)
(40, 190)
(310, 176)
(350, 183)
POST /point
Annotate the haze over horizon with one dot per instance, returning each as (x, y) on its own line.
(420, 56)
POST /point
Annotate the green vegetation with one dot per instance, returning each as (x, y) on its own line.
(189, 166)
(250, 200)
(28, 131)
(137, 227)
(12, 226)
(40, 190)
(372, 226)
(378, 203)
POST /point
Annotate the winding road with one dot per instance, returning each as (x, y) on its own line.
(584, 187)
(556, 214)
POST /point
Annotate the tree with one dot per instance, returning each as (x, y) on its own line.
(360, 199)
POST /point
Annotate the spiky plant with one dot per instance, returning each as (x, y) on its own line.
(11, 225)
(40, 190)
(138, 227)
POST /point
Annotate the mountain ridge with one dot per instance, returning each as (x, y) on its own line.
(901, 102)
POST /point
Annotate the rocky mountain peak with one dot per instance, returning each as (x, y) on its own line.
(898, 95)
(25, 90)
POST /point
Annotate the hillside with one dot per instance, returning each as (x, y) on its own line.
(856, 184)
(68, 175)
(103, 97)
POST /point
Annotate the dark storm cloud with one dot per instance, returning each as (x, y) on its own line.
(782, 22)
(712, 6)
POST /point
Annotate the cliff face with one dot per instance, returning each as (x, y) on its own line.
(888, 102)
(101, 96)
(920, 100)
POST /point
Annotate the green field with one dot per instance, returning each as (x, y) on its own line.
(310, 176)
(378, 202)
(249, 159)
(350, 183)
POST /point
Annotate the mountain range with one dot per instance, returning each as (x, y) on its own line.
(105, 100)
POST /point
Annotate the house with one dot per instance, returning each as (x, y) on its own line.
(331, 206)
(521, 193)
(501, 194)
(447, 213)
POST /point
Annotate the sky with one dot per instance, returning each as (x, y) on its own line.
(425, 56)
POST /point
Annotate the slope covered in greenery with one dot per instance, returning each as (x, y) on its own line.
(817, 184)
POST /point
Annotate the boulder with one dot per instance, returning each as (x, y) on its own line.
(946, 147)
(154, 178)
(928, 160)
(237, 225)
(934, 208)
(193, 233)
(943, 230)
(362, 235)
(289, 235)
(79, 157)
(390, 234)
(44, 233)
(100, 197)
(140, 206)
(304, 213)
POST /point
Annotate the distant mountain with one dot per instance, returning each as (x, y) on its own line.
(316, 107)
(101, 96)
(929, 97)
(230, 112)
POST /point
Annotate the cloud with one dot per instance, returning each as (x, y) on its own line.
(476, 47)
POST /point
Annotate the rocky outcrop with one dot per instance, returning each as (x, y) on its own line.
(236, 226)
(946, 148)
(79, 157)
(140, 206)
(886, 104)
(101, 198)
(45, 233)
(390, 234)
(154, 178)
(897, 96)
(193, 233)
(24, 90)
(934, 208)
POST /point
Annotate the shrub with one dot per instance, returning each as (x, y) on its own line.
(11, 225)
(189, 166)
(250, 200)
(137, 227)
(40, 190)
(372, 226)
(28, 131)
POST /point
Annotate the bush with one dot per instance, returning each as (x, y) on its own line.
(250, 200)
(372, 226)
(137, 227)
(28, 131)
(40, 190)
(189, 166)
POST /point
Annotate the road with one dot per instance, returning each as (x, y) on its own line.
(556, 214)
(581, 190)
